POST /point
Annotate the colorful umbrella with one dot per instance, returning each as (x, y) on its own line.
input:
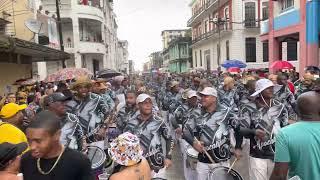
(28, 82)
(278, 65)
(67, 74)
(234, 70)
(233, 63)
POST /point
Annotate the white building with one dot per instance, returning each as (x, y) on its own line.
(122, 57)
(89, 32)
(238, 35)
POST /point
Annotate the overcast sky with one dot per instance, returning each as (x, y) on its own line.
(141, 22)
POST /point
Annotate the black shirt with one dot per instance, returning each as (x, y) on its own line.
(72, 166)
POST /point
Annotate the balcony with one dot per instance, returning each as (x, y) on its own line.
(214, 34)
(90, 9)
(86, 47)
(201, 10)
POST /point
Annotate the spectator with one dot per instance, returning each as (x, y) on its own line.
(11, 98)
(299, 153)
(10, 128)
(48, 158)
(126, 151)
(10, 156)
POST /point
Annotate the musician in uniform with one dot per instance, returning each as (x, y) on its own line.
(261, 119)
(127, 112)
(193, 111)
(210, 134)
(71, 131)
(227, 94)
(100, 88)
(90, 108)
(150, 129)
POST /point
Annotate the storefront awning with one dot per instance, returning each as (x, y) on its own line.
(38, 52)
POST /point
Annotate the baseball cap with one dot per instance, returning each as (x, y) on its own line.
(142, 97)
(55, 97)
(10, 151)
(11, 109)
(174, 83)
(192, 93)
(209, 91)
(261, 85)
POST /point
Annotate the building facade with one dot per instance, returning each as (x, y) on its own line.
(18, 50)
(122, 62)
(167, 37)
(89, 32)
(180, 54)
(291, 32)
(224, 30)
(156, 60)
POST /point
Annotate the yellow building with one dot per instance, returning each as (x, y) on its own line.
(17, 48)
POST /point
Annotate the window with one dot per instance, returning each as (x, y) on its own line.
(265, 52)
(265, 10)
(250, 14)
(200, 58)
(251, 49)
(206, 26)
(292, 50)
(226, 16)
(196, 58)
(218, 53)
(227, 50)
(286, 4)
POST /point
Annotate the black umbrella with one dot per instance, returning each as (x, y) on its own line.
(108, 73)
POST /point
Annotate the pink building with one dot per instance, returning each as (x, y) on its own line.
(290, 31)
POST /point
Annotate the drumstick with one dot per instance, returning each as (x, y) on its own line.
(234, 162)
(206, 152)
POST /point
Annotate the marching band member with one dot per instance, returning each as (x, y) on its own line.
(89, 107)
(128, 111)
(71, 131)
(150, 129)
(210, 134)
(263, 117)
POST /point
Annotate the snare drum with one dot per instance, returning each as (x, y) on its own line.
(221, 173)
(192, 158)
(97, 156)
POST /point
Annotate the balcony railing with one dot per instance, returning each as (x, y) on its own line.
(200, 10)
(251, 23)
(208, 34)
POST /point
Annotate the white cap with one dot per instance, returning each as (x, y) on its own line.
(119, 78)
(192, 93)
(261, 85)
(209, 91)
(142, 97)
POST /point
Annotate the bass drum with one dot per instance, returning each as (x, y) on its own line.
(97, 156)
(221, 173)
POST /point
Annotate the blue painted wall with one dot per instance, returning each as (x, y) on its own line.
(312, 21)
(287, 19)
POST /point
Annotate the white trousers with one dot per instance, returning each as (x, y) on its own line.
(203, 169)
(161, 174)
(260, 169)
(189, 174)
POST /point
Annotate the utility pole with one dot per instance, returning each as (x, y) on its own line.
(60, 31)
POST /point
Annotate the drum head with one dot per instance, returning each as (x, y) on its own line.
(221, 173)
(192, 152)
(97, 156)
